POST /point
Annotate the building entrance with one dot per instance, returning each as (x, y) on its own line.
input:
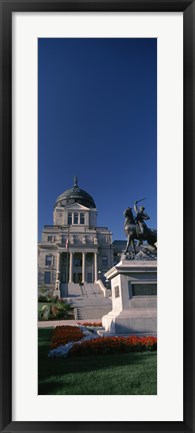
(77, 277)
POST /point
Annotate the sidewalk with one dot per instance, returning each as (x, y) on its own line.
(53, 323)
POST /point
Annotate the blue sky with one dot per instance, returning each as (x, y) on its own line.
(97, 120)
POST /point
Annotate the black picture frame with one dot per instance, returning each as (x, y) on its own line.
(6, 9)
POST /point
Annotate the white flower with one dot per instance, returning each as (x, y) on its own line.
(62, 351)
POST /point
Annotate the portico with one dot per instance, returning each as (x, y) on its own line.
(76, 267)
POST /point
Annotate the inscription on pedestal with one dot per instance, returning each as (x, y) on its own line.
(116, 291)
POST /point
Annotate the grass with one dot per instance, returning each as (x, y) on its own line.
(122, 374)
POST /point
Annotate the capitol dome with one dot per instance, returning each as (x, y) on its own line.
(75, 195)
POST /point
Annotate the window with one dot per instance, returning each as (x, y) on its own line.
(69, 218)
(63, 239)
(48, 260)
(104, 261)
(49, 238)
(47, 278)
(82, 218)
(76, 216)
(77, 261)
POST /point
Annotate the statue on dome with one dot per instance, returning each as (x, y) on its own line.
(75, 181)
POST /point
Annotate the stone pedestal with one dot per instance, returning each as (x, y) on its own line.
(56, 292)
(134, 298)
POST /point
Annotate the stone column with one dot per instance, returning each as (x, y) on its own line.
(70, 268)
(57, 284)
(83, 267)
(95, 268)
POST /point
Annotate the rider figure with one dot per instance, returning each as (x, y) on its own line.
(141, 217)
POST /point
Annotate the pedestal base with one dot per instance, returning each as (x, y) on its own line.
(131, 321)
(134, 299)
(56, 292)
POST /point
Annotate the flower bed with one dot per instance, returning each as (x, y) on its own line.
(96, 324)
(62, 335)
(77, 341)
(104, 345)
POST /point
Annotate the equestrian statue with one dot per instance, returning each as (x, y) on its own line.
(136, 228)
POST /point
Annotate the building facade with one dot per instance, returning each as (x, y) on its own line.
(74, 249)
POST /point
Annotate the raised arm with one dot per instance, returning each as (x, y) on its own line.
(135, 207)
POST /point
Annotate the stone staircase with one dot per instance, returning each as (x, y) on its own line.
(92, 313)
(89, 301)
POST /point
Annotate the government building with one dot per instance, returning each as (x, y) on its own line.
(74, 249)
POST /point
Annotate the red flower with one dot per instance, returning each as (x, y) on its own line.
(114, 345)
(90, 324)
(62, 335)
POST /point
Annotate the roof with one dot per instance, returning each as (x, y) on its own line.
(75, 195)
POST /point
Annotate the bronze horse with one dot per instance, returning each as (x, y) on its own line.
(132, 232)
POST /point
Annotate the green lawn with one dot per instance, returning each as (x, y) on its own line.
(125, 374)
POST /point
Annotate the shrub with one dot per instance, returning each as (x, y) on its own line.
(45, 297)
(43, 290)
(45, 312)
(54, 299)
(59, 309)
(42, 298)
(62, 335)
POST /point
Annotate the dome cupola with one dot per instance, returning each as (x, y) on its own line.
(75, 195)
